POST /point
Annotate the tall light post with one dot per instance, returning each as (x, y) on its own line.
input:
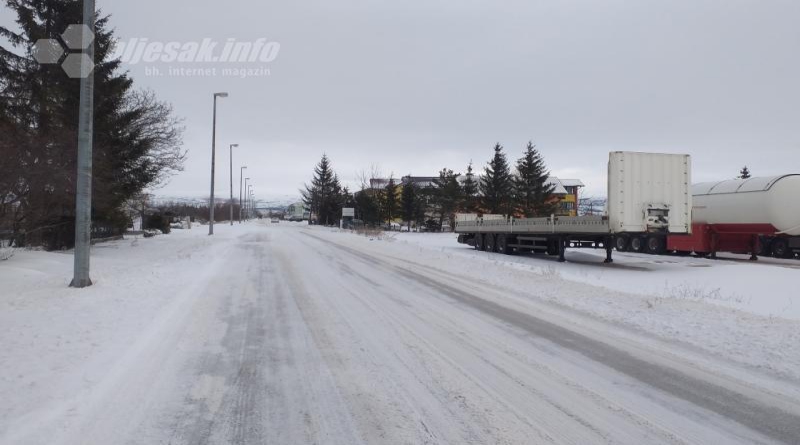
(213, 159)
(83, 189)
(231, 159)
(241, 173)
(252, 204)
(245, 197)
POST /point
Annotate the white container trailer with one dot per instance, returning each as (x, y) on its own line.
(648, 197)
(649, 191)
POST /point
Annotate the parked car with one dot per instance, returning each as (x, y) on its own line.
(275, 220)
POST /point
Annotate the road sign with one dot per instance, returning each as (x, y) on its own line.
(348, 212)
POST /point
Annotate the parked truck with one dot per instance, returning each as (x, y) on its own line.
(649, 198)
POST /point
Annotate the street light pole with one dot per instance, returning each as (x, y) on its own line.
(251, 208)
(245, 197)
(231, 172)
(83, 190)
(241, 173)
(213, 159)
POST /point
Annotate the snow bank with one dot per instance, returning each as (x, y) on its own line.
(767, 287)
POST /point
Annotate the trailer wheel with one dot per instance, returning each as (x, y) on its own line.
(479, 241)
(491, 242)
(637, 244)
(764, 246)
(621, 243)
(552, 247)
(502, 244)
(780, 248)
(656, 245)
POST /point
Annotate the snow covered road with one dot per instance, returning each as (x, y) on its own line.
(293, 335)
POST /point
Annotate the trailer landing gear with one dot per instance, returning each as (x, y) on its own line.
(754, 248)
(609, 245)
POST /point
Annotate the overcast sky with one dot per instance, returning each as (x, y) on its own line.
(415, 86)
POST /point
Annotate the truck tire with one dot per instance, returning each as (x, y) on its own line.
(502, 244)
(656, 245)
(780, 248)
(479, 241)
(491, 242)
(764, 246)
(552, 247)
(621, 243)
(637, 244)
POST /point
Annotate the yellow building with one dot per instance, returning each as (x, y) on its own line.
(566, 190)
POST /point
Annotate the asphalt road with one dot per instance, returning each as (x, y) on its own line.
(301, 338)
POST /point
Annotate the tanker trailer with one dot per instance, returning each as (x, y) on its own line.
(744, 216)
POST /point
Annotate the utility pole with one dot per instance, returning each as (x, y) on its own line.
(83, 190)
(245, 197)
(213, 159)
(231, 173)
(252, 204)
(241, 173)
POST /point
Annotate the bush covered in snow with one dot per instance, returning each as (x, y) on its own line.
(6, 253)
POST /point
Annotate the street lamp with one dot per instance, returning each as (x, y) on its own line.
(253, 209)
(250, 201)
(83, 189)
(231, 172)
(213, 156)
(241, 173)
(245, 197)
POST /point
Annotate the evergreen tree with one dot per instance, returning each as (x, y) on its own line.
(744, 173)
(469, 192)
(323, 195)
(367, 207)
(136, 139)
(532, 193)
(496, 185)
(408, 203)
(447, 193)
(390, 201)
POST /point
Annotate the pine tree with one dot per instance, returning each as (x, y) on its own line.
(531, 191)
(408, 203)
(390, 201)
(744, 173)
(367, 207)
(447, 195)
(469, 192)
(496, 185)
(136, 139)
(324, 192)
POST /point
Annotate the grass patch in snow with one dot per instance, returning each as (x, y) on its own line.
(688, 292)
(6, 253)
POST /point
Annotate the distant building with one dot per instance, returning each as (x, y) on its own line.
(567, 191)
(419, 181)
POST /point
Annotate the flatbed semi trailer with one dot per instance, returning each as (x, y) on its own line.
(649, 198)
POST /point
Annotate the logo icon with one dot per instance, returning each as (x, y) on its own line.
(76, 39)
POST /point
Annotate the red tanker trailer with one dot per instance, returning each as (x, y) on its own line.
(744, 216)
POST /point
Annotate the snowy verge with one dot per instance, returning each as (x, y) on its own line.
(620, 294)
(64, 343)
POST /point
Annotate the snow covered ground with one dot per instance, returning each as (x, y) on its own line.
(766, 287)
(284, 333)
